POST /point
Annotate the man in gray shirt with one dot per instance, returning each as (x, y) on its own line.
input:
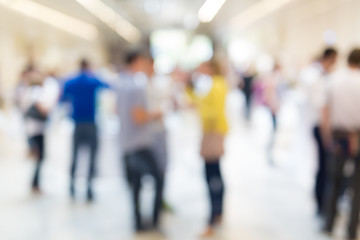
(135, 136)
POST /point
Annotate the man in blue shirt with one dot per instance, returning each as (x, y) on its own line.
(81, 91)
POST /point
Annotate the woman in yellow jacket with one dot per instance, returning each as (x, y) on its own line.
(211, 107)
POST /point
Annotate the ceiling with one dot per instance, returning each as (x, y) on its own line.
(148, 15)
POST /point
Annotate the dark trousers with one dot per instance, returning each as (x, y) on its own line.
(338, 160)
(138, 164)
(37, 146)
(215, 186)
(274, 121)
(321, 176)
(85, 134)
(272, 139)
(248, 102)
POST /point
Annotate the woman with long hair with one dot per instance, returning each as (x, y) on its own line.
(209, 93)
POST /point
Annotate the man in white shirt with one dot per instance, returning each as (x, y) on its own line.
(37, 95)
(314, 80)
(341, 128)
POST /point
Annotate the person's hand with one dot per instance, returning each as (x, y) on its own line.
(327, 140)
(354, 145)
(44, 110)
(330, 146)
(158, 115)
(139, 115)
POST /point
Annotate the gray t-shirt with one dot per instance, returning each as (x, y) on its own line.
(132, 93)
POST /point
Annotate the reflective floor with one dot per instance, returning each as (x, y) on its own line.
(263, 201)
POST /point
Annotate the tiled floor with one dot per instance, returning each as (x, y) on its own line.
(263, 202)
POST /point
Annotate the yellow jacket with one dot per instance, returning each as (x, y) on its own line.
(212, 107)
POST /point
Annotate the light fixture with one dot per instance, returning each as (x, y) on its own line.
(255, 13)
(209, 10)
(111, 18)
(52, 17)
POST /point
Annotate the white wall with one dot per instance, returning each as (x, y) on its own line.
(295, 33)
(23, 39)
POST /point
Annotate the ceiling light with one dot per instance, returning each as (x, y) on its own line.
(53, 18)
(256, 12)
(209, 10)
(111, 18)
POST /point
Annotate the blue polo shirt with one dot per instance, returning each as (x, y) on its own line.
(81, 92)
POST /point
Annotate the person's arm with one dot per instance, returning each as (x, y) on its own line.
(141, 116)
(325, 126)
(324, 102)
(43, 109)
(139, 113)
(105, 85)
(65, 93)
(354, 144)
(102, 84)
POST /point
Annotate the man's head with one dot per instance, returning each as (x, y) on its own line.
(135, 61)
(328, 59)
(354, 58)
(84, 64)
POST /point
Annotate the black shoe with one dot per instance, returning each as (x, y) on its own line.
(140, 228)
(351, 237)
(36, 190)
(90, 195)
(327, 232)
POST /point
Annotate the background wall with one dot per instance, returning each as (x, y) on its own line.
(23, 39)
(297, 33)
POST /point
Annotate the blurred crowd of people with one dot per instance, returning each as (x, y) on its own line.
(144, 98)
(331, 100)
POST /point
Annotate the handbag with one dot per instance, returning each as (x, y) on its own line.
(212, 146)
(33, 112)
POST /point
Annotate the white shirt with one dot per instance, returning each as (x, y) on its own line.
(313, 82)
(46, 95)
(344, 100)
(158, 96)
